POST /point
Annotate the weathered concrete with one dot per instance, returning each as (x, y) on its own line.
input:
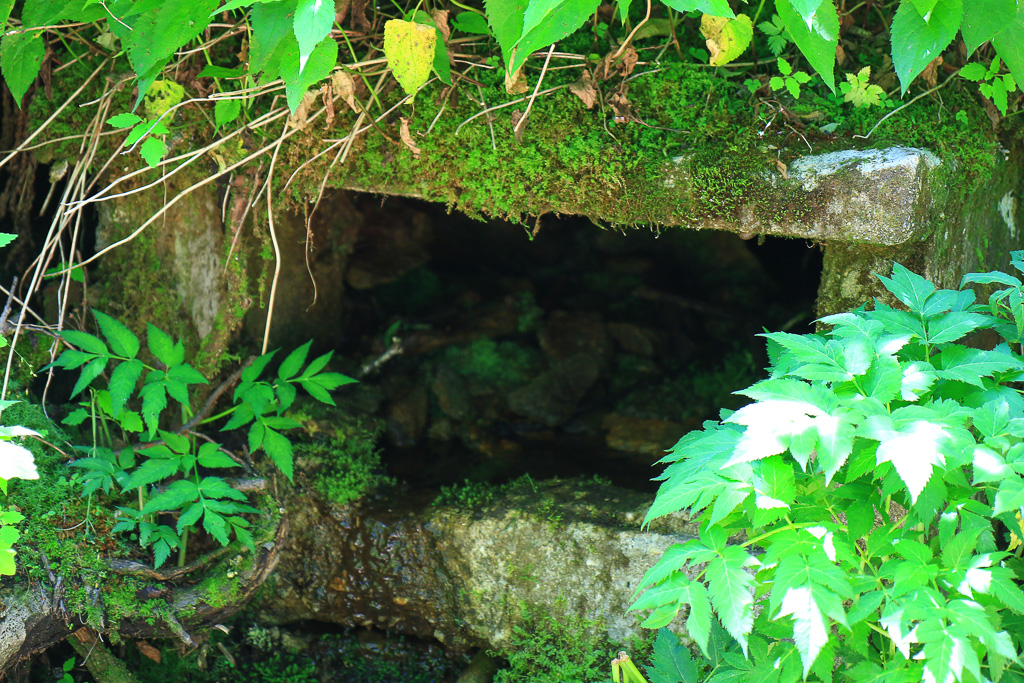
(460, 576)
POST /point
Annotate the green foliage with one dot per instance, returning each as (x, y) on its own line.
(776, 32)
(348, 463)
(994, 86)
(868, 483)
(790, 80)
(859, 92)
(170, 475)
(548, 650)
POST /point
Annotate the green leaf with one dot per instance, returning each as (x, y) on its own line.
(473, 23)
(291, 365)
(16, 462)
(317, 392)
(1009, 44)
(21, 56)
(73, 358)
(983, 19)
(122, 384)
(253, 372)
(506, 20)
(120, 338)
(126, 120)
(215, 487)
(186, 374)
(214, 458)
(671, 661)
(954, 325)
(312, 23)
(162, 346)
(153, 150)
(154, 400)
(165, 28)
(226, 110)
(151, 471)
(279, 448)
(717, 8)
(5, 12)
(698, 621)
(916, 41)
(271, 22)
(964, 364)
(90, 371)
(913, 449)
(216, 527)
(548, 21)
(730, 588)
(817, 38)
(173, 497)
(190, 516)
(317, 365)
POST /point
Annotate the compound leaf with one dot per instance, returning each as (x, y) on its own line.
(122, 341)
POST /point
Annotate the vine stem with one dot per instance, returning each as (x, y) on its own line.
(273, 238)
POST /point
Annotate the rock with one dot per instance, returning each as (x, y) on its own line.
(632, 338)
(639, 435)
(452, 396)
(407, 417)
(551, 397)
(566, 334)
(459, 576)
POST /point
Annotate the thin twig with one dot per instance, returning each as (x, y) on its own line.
(512, 103)
(632, 33)
(902, 107)
(540, 79)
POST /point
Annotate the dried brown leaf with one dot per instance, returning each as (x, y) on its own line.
(301, 116)
(359, 20)
(515, 84)
(345, 87)
(620, 105)
(840, 55)
(930, 73)
(783, 169)
(406, 136)
(584, 89)
(149, 651)
(440, 17)
(341, 10)
(327, 95)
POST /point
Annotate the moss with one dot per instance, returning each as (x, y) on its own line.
(505, 364)
(550, 650)
(340, 455)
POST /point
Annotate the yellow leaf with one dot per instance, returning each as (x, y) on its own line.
(726, 38)
(409, 48)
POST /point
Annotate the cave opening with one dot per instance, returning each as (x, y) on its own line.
(491, 350)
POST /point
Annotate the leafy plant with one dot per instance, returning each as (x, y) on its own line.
(776, 32)
(789, 79)
(860, 92)
(853, 513)
(992, 84)
(172, 475)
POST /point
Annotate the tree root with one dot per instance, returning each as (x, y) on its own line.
(30, 622)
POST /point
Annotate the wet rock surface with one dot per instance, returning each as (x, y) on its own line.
(460, 575)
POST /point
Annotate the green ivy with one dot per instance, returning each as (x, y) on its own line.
(860, 519)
